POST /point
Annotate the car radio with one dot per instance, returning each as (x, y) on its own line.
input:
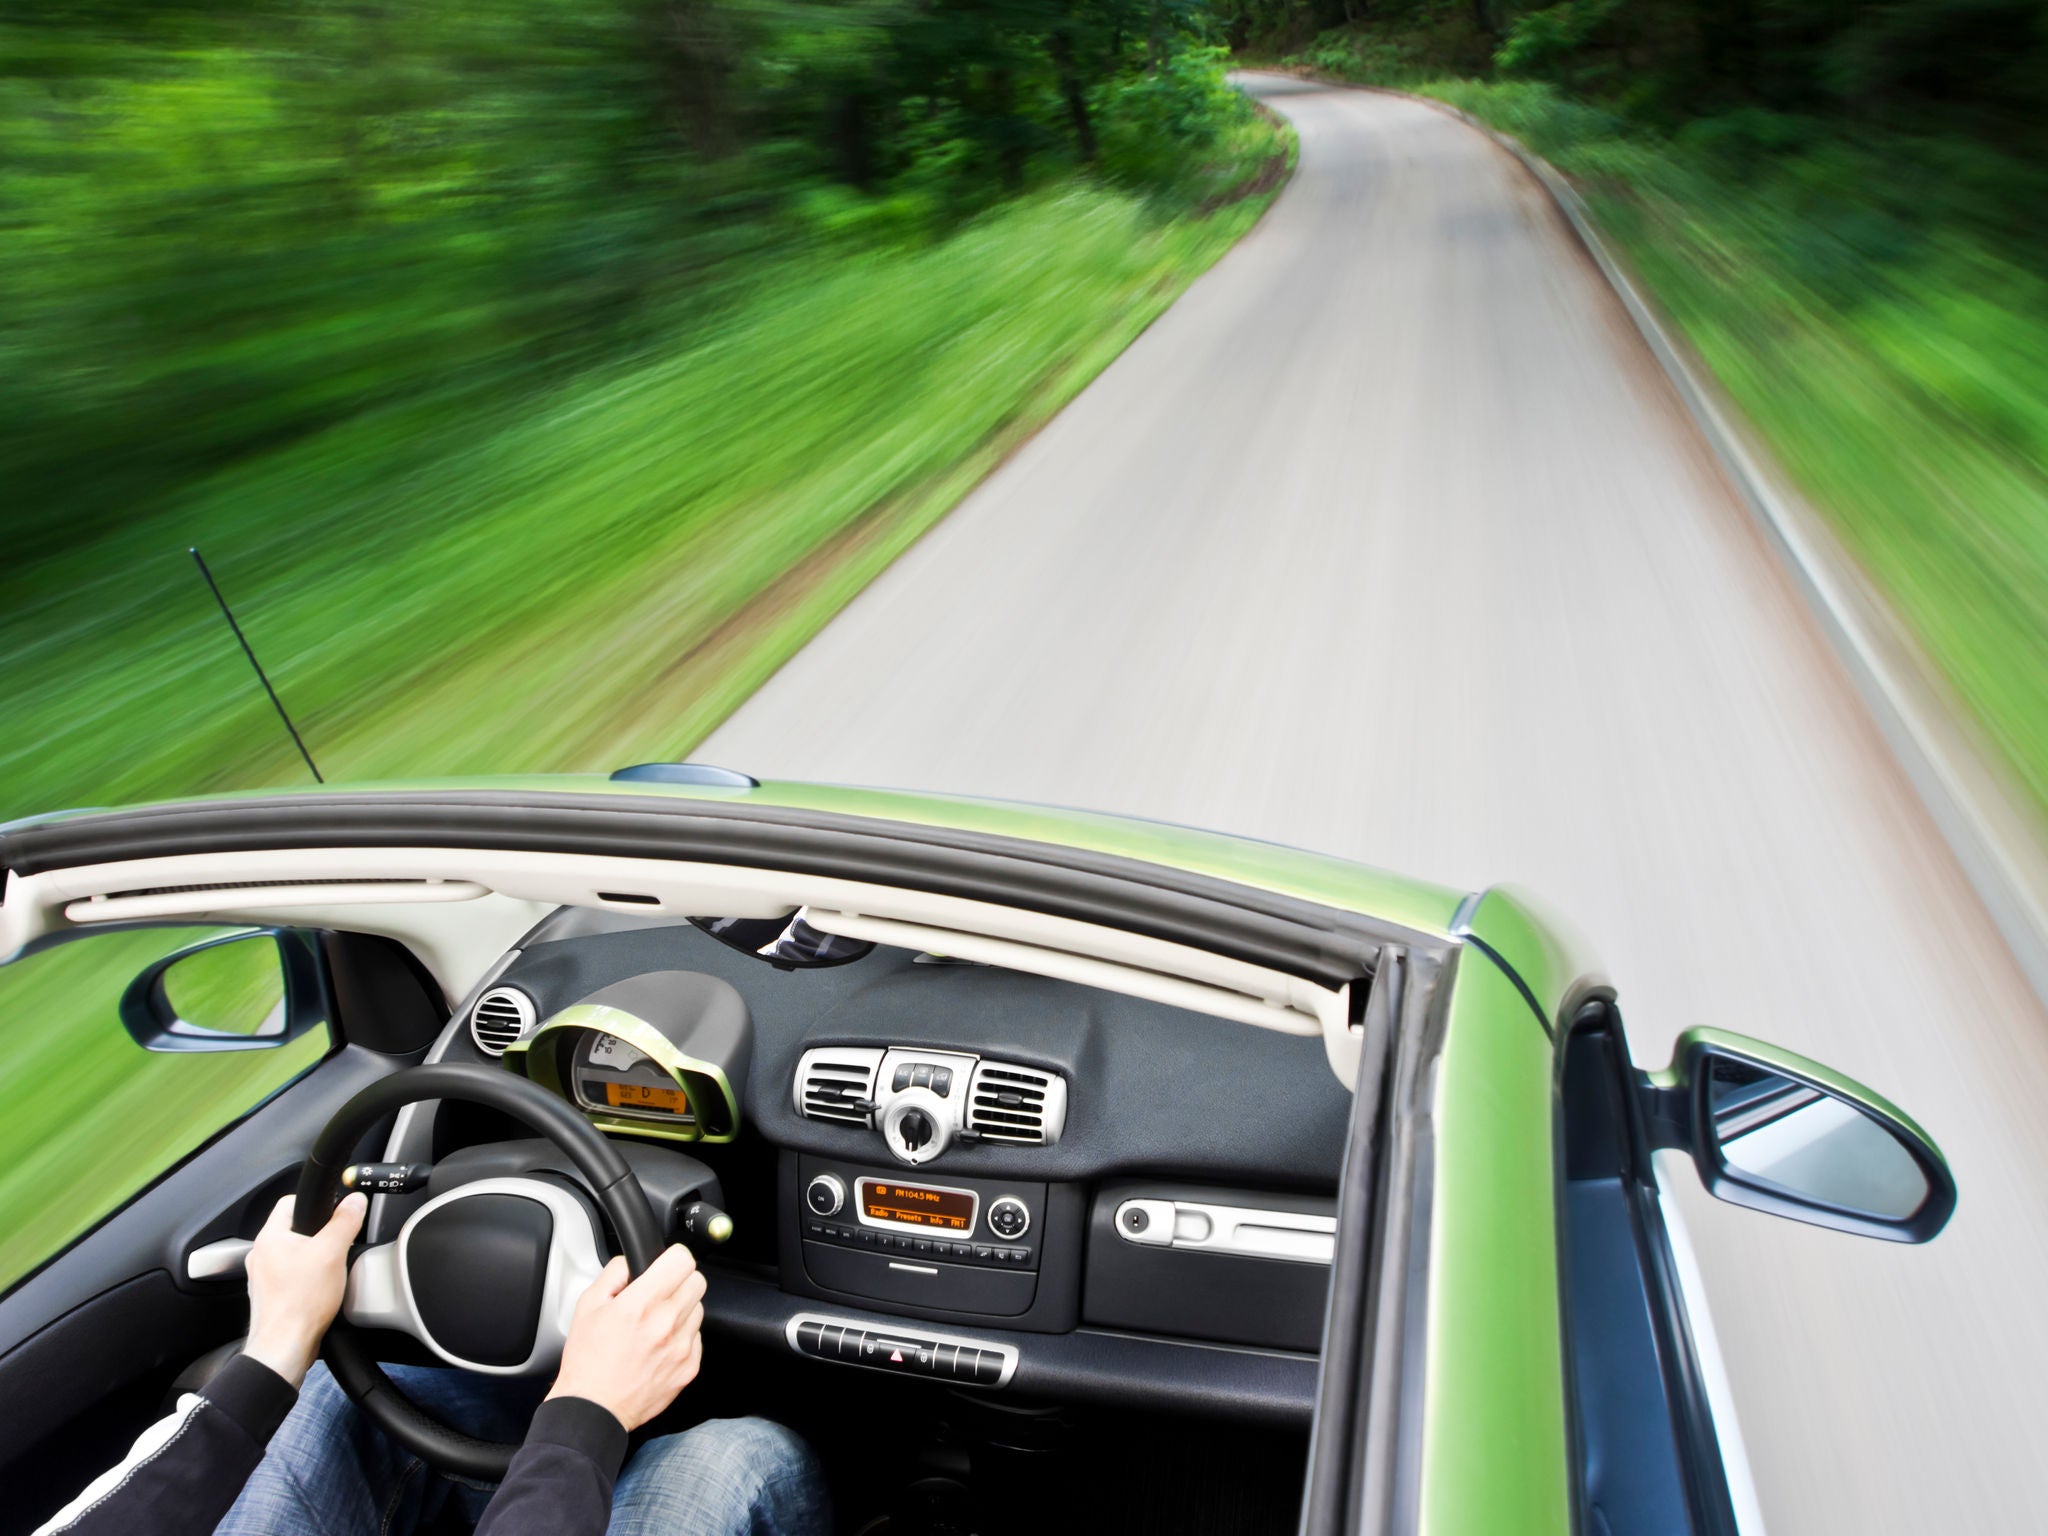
(955, 1245)
(886, 1215)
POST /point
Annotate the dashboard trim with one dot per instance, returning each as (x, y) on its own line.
(600, 1018)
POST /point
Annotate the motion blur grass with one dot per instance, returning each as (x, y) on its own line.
(573, 577)
(1873, 301)
(598, 574)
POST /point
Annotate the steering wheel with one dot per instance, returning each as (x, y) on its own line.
(486, 1275)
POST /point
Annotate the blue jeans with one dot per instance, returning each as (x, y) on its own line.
(331, 1472)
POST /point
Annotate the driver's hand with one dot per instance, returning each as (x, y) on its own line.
(295, 1286)
(632, 1348)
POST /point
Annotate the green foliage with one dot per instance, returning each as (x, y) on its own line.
(1407, 41)
(1161, 127)
(587, 570)
(1546, 42)
(221, 230)
(594, 573)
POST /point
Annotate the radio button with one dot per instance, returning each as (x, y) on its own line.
(1009, 1217)
(983, 1251)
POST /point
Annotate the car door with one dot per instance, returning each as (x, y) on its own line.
(160, 1087)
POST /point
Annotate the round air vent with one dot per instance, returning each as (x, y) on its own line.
(501, 1016)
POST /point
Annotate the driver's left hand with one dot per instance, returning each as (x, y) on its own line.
(296, 1285)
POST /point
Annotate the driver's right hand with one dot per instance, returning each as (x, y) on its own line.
(633, 1346)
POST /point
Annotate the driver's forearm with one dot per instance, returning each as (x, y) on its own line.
(185, 1471)
(560, 1483)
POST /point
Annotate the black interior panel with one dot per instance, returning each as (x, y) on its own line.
(111, 1356)
(1225, 1297)
(1262, 1108)
(1086, 1365)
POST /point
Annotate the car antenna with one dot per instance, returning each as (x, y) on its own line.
(261, 677)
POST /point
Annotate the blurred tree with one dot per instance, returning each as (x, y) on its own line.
(229, 224)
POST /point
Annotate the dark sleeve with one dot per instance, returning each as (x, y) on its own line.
(560, 1483)
(184, 1472)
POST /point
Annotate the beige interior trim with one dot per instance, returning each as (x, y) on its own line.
(488, 898)
(1066, 966)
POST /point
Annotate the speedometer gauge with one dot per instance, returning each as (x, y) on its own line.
(608, 1074)
(662, 1055)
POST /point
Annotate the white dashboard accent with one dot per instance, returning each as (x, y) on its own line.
(1295, 1236)
(1022, 1124)
(219, 1260)
(826, 1075)
(912, 1332)
(286, 893)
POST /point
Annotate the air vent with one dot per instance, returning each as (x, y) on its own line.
(837, 1084)
(501, 1016)
(1018, 1104)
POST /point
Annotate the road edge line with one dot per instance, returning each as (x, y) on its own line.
(1995, 838)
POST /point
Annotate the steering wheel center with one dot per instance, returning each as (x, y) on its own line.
(477, 1269)
(485, 1275)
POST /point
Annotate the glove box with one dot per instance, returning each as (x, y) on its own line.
(1229, 1265)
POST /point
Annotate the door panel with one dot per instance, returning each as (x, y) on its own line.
(87, 1115)
(112, 1313)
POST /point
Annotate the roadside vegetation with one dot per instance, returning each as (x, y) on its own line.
(1845, 209)
(536, 378)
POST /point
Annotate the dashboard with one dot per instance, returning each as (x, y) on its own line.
(1007, 1183)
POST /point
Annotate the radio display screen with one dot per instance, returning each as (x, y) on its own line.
(917, 1205)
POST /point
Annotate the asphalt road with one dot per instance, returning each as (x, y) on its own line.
(1389, 540)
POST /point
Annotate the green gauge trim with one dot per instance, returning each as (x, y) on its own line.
(544, 1068)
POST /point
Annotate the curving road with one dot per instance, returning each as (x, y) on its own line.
(1389, 540)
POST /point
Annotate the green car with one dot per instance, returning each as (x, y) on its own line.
(1049, 1169)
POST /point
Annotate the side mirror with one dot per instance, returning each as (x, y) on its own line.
(1773, 1131)
(245, 991)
